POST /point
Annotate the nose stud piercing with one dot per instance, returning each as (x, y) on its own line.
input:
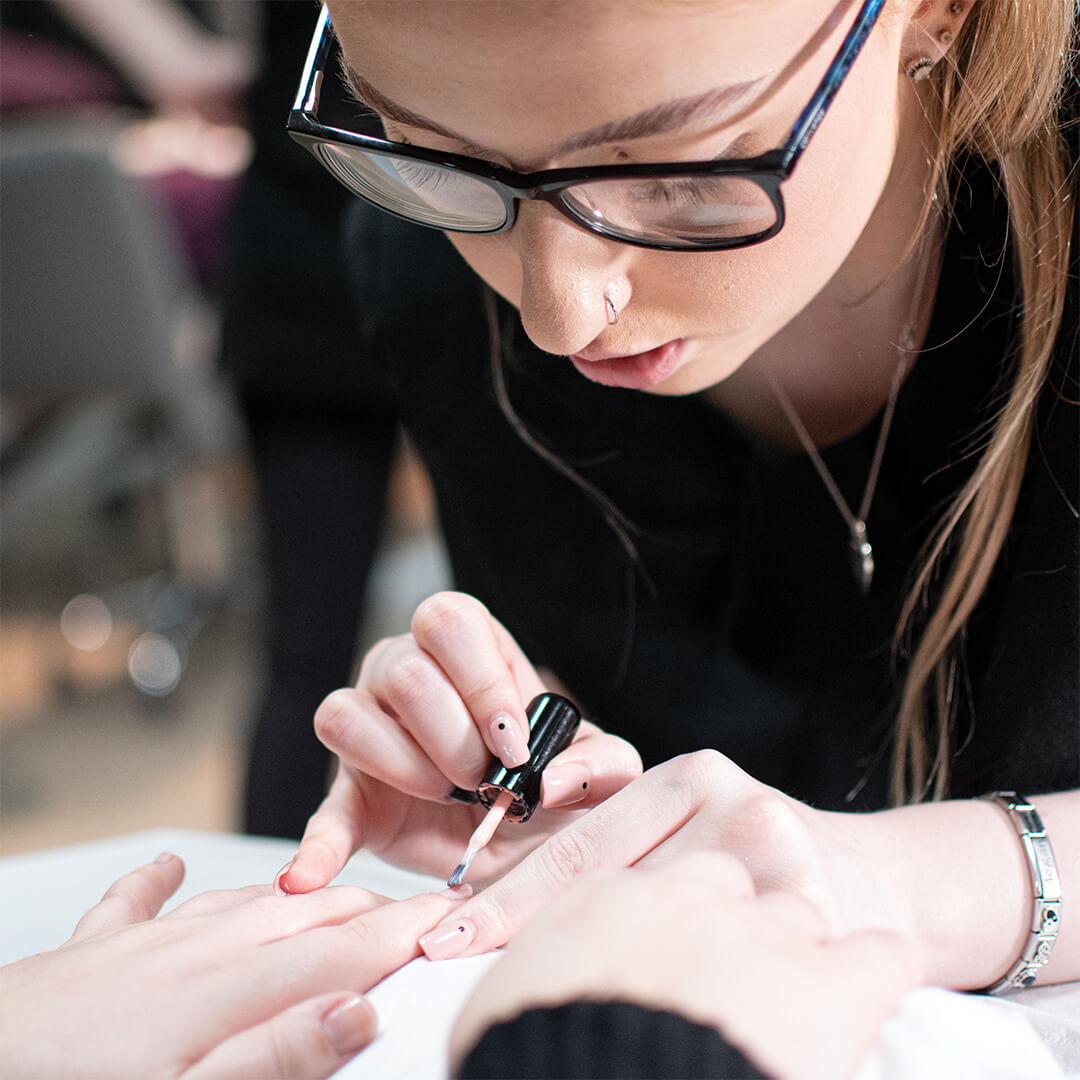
(612, 311)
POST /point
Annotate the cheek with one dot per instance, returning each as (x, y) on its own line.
(494, 260)
(837, 185)
(748, 296)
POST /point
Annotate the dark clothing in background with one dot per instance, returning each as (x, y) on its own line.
(743, 629)
(598, 1040)
(320, 437)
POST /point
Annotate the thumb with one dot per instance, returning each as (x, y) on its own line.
(313, 1039)
(333, 833)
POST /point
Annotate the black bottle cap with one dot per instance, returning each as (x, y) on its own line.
(553, 723)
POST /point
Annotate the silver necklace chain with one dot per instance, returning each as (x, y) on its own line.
(862, 551)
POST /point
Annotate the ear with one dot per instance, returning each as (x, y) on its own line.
(932, 28)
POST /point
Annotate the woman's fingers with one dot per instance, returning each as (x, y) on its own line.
(265, 918)
(356, 726)
(353, 955)
(590, 770)
(694, 801)
(313, 1039)
(135, 897)
(333, 833)
(479, 657)
(420, 701)
(615, 834)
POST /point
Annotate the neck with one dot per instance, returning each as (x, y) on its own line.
(836, 360)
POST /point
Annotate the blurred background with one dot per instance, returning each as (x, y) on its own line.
(160, 366)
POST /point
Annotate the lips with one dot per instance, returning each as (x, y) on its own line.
(638, 371)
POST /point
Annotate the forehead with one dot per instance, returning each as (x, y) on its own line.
(521, 74)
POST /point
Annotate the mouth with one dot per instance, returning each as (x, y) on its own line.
(638, 371)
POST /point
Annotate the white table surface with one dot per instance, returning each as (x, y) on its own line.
(1034, 1034)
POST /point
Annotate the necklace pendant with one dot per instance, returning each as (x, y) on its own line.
(862, 558)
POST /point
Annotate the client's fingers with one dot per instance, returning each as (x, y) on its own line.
(352, 955)
(312, 1039)
(135, 897)
(364, 950)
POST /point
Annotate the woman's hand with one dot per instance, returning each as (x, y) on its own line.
(691, 937)
(229, 984)
(429, 711)
(697, 802)
(949, 876)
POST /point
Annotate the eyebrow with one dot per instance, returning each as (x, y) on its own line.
(659, 120)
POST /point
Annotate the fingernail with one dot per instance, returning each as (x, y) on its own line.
(164, 857)
(509, 743)
(458, 892)
(564, 785)
(445, 942)
(279, 885)
(350, 1026)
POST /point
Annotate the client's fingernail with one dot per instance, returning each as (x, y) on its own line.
(509, 743)
(164, 857)
(279, 885)
(445, 942)
(350, 1026)
(458, 892)
(564, 785)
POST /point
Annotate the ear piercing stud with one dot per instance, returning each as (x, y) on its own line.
(920, 69)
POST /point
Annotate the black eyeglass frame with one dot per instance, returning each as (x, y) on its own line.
(768, 170)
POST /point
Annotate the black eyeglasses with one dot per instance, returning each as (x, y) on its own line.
(683, 206)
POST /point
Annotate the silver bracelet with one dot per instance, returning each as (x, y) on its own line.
(1046, 887)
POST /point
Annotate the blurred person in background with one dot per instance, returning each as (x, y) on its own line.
(321, 436)
(159, 57)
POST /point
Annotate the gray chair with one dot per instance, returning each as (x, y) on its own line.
(103, 407)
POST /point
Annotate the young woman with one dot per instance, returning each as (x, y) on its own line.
(781, 468)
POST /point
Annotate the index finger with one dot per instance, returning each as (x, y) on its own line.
(486, 666)
(616, 833)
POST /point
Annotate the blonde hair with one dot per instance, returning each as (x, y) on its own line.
(998, 96)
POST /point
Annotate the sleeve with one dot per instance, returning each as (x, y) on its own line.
(584, 1040)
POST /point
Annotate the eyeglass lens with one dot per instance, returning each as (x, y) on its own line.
(680, 209)
(445, 198)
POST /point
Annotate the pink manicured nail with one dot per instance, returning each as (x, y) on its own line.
(445, 942)
(509, 743)
(350, 1025)
(564, 785)
(458, 892)
(165, 857)
(279, 885)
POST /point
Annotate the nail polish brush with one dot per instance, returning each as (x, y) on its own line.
(514, 794)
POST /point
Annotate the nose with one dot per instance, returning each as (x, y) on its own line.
(567, 276)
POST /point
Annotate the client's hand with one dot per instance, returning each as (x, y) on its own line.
(691, 937)
(229, 984)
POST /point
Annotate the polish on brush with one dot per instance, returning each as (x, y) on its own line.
(514, 794)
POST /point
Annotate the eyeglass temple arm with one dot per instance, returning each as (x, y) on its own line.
(814, 112)
(307, 96)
